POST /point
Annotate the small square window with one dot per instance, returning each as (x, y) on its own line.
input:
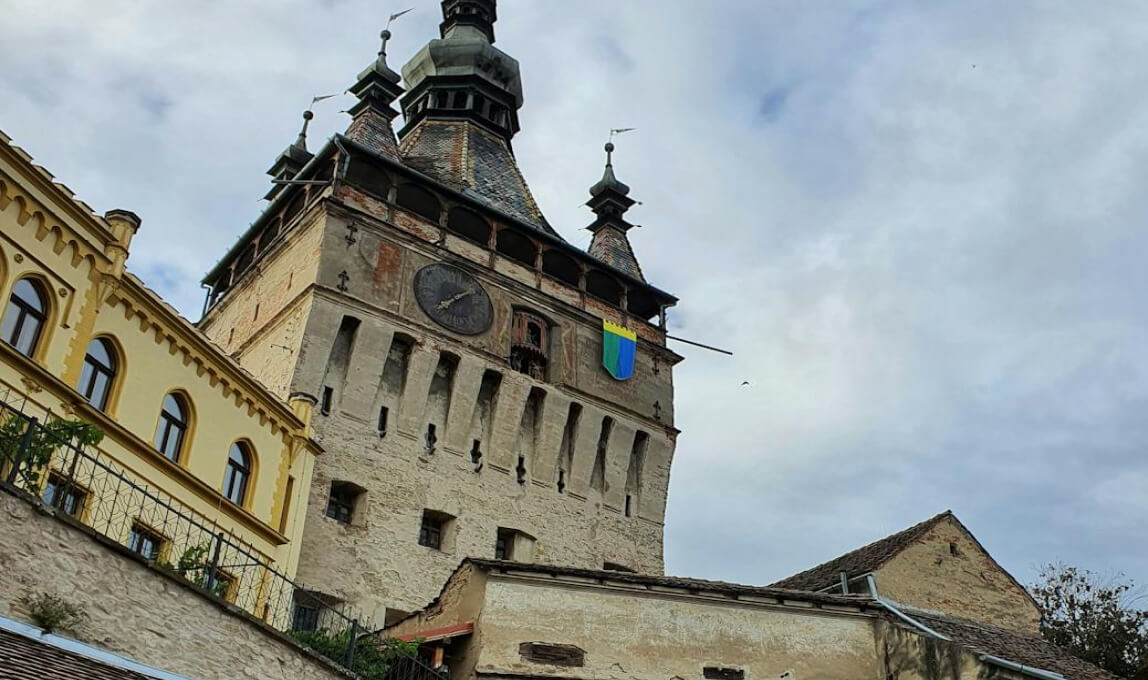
(66, 495)
(146, 542)
(342, 501)
(432, 531)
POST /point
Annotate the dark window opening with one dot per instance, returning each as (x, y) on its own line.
(381, 426)
(145, 542)
(296, 206)
(634, 473)
(342, 501)
(327, 401)
(629, 502)
(598, 475)
(521, 470)
(469, 225)
(530, 345)
(954, 550)
(433, 529)
(63, 494)
(245, 260)
(307, 615)
(561, 266)
(476, 452)
(237, 476)
(431, 438)
(517, 247)
(173, 426)
(642, 305)
(715, 673)
(369, 178)
(569, 440)
(419, 201)
(568, 656)
(604, 286)
(98, 374)
(504, 544)
(25, 317)
(561, 481)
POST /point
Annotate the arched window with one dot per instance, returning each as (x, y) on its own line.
(419, 201)
(238, 475)
(171, 433)
(99, 373)
(24, 319)
(530, 344)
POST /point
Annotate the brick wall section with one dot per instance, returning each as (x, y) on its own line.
(136, 610)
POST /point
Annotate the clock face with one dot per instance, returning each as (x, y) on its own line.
(453, 299)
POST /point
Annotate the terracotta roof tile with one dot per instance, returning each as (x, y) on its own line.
(1015, 647)
(860, 561)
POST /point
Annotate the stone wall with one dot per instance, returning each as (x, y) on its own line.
(948, 572)
(135, 610)
(572, 495)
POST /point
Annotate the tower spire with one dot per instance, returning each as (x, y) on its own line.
(610, 200)
(377, 88)
(479, 15)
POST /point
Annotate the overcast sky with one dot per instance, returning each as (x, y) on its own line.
(921, 226)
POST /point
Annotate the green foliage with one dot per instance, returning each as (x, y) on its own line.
(33, 453)
(373, 657)
(194, 565)
(51, 612)
(1097, 620)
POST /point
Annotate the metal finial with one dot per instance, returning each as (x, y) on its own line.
(385, 35)
(301, 142)
(610, 153)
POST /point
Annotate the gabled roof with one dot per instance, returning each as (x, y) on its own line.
(1022, 649)
(862, 560)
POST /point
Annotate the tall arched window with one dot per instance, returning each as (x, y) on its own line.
(24, 319)
(171, 433)
(99, 373)
(238, 475)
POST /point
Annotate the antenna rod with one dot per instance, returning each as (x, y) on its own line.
(698, 344)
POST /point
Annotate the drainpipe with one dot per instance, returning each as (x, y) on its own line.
(898, 613)
(1020, 668)
(986, 658)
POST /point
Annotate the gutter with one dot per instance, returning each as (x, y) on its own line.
(87, 651)
(984, 658)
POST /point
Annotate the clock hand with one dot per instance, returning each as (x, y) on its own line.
(446, 304)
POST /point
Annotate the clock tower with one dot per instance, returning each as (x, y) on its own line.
(452, 341)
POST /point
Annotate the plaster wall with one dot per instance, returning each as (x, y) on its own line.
(628, 634)
(968, 585)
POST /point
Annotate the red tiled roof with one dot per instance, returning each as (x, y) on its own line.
(861, 560)
(1022, 649)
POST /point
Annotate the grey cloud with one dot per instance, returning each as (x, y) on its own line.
(930, 264)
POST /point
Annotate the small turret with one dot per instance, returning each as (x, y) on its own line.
(377, 88)
(291, 161)
(610, 200)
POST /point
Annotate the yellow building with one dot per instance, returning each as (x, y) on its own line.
(200, 467)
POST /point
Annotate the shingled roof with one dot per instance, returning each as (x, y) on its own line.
(1029, 651)
(476, 163)
(22, 658)
(861, 560)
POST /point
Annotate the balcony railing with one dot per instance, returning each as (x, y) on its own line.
(57, 463)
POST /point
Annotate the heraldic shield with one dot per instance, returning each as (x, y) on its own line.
(619, 347)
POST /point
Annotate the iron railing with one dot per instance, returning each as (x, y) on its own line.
(53, 461)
